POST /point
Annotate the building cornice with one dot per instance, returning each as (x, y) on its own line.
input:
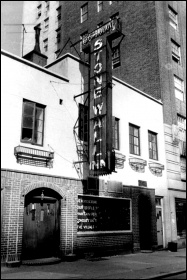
(33, 65)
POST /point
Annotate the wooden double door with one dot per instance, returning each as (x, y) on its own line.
(41, 233)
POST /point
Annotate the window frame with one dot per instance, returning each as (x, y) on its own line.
(83, 123)
(46, 24)
(152, 150)
(81, 36)
(47, 3)
(59, 13)
(57, 52)
(35, 105)
(179, 91)
(132, 144)
(45, 44)
(39, 11)
(85, 13)
(99, 6)
(58, 35)
(116, 133)
(173, 18)
(116, 61)
(176, 52)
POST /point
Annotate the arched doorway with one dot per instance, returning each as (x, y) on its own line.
(41, 230)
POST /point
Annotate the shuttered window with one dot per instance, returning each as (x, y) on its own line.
(32, 123)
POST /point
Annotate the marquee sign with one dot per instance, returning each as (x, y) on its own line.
(101, 154)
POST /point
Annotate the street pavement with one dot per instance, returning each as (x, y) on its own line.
(147, 265)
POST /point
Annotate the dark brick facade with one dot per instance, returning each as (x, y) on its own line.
(15, 185)
(146, 61)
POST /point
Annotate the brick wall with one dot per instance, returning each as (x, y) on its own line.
(15, 185)
(139, 49)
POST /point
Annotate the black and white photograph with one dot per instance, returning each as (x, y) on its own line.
(93, 139)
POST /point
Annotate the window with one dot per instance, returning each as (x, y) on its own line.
(176, 54)
(58, 10)
(32, 123)
(152, 138)
(81, 37)
(179, 88)
(183, 167)
(99, 6)
(46, 23)
(47, 5)
(39, 10)
(84, 12)
(100, 24)
(180, 206)
(173, 18)
(134, 139)
(83, 122)
(45, 45)
(116, 15)
(58, 35)
(116, 62)
(57, 54)
(115, 128)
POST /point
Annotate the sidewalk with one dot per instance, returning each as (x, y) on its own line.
(131, 266)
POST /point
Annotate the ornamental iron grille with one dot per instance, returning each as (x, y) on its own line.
(35, 157)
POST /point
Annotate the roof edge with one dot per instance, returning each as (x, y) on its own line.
(31, 64)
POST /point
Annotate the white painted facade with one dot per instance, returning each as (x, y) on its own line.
(62, 80)
(23, 79)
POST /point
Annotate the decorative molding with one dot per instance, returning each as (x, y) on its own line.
(137, 164)
(119, 160)
(156, 168)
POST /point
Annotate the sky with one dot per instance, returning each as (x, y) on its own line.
(11, 13)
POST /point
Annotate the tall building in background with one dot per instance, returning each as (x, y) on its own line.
(151, 57)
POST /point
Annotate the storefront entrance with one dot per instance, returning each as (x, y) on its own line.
(41, 234)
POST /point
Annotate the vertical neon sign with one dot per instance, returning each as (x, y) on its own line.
(101, 155)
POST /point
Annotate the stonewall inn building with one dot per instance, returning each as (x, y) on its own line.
(83, 157)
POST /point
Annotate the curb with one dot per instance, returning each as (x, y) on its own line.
(163, 275)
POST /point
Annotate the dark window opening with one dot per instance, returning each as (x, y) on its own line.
(115, 131)
(83, 123)
(32, 123)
